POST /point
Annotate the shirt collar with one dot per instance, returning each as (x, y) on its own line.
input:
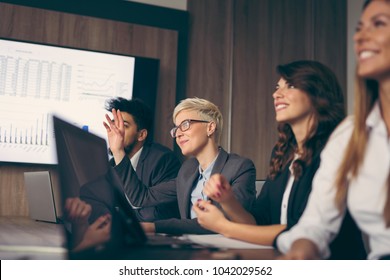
(134, 159)
(296, 156)
(207, 172)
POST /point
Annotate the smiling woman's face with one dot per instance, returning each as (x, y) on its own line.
(372, 41)
(193, 140)
(292, 105)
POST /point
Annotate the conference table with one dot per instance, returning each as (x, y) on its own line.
(24, 238)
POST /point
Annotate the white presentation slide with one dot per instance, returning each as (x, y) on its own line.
(37, 81)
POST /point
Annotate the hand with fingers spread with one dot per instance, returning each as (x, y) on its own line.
(116, 134)
(209, 216)
(218, 189)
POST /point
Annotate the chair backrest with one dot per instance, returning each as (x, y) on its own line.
(259, 186)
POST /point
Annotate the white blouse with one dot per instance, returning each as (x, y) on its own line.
(367, 192)
(287, 192)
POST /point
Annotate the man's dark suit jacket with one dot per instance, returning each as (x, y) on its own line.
(240, 173)
(267, 210)
(156, 164)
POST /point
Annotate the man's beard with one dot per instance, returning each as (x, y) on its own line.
(127, 149)
(130, 147)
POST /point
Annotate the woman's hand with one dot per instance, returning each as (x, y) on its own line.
(209, 216)
(302, 249)
(218, 189)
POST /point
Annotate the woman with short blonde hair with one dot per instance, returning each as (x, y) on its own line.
(197, 130)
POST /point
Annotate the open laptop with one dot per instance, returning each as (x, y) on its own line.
(83, 161)
(40, 197)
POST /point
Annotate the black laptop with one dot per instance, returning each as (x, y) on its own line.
(83, 161)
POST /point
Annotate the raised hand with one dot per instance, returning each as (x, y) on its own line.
(115, 134)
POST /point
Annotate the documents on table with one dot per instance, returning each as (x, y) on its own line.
(220, 241)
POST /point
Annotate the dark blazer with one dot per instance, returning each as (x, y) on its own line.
(347, 245)
(267, 208)
(240, 173)
(156, 164)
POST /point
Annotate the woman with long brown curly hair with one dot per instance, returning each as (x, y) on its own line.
(354, 172)
(309, 104)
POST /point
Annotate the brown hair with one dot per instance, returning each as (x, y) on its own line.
(326, 96)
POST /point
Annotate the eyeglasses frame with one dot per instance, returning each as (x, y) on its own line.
(174, 129)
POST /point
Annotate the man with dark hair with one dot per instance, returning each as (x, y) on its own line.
(138, 122)
(152, 162)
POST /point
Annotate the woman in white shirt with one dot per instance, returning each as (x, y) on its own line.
(355, 164)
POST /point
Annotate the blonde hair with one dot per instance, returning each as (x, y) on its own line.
(207, 111)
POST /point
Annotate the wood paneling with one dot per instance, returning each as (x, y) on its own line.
(85, 32)
(209, 55)
(330, 25)
(12, 192)
(263, 34)
(266, 33)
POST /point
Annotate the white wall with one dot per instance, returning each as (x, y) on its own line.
(354, 11)
(173, 4)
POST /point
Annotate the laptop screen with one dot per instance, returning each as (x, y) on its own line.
(84, 167)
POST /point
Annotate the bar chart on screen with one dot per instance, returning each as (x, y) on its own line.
(27, 134)
(31, 132)
(38, 81)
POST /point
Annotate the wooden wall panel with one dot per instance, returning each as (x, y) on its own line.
(330, 25)
(13, 200)
(65, 29)
(264, 33)
(209, 56)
